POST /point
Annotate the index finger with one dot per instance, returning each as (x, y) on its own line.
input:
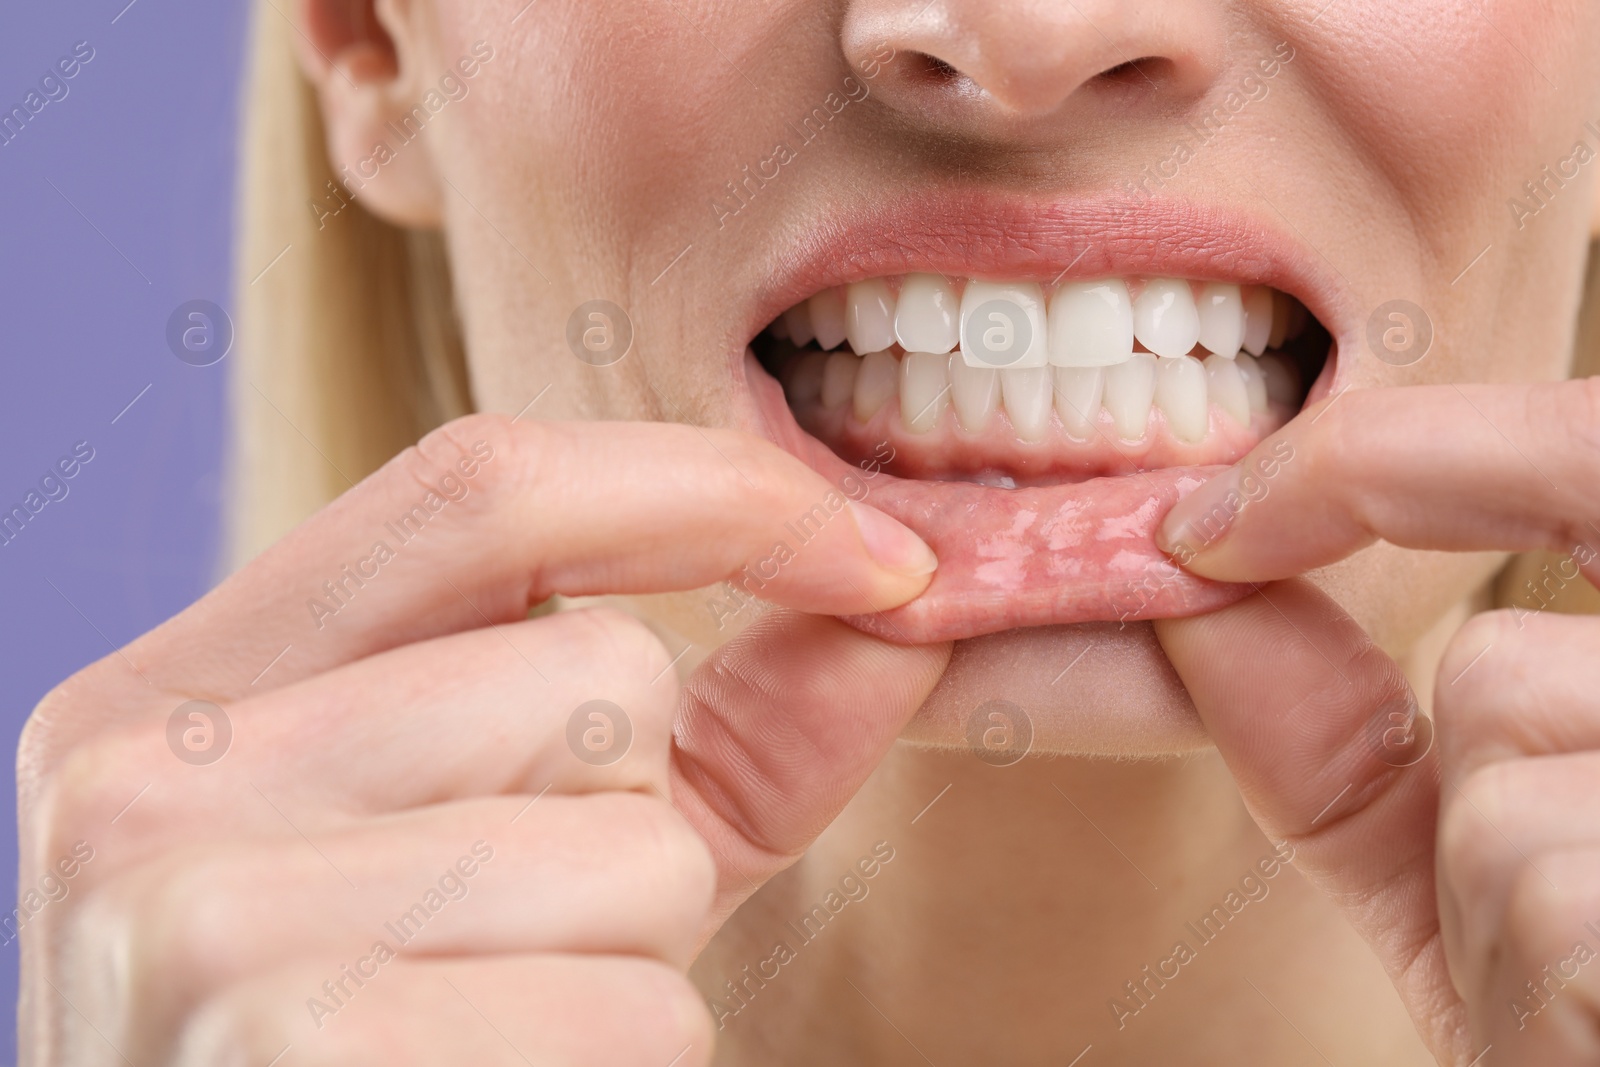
(488, 516)
(1447, 467)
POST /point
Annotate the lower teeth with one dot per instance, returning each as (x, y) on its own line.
(926, 390)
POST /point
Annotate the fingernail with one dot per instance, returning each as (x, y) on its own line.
(893, 545)
(1201, 519)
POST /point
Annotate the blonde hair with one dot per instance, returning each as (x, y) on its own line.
(348, 345)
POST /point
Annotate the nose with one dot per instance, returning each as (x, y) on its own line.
(1021, 60)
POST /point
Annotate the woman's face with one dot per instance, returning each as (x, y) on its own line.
(705, 165)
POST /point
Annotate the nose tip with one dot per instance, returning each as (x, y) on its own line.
(1017, 60)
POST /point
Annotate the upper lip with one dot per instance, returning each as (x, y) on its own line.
(991, 235)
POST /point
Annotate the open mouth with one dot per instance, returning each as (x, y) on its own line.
(1035, 412)
(1017, 384)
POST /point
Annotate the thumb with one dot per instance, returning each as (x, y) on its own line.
(1323, 736)
(779, 729)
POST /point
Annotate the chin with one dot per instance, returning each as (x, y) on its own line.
(1031, 385)
(1089, 689)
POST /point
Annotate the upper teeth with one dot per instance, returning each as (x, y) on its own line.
(1016, 324)
(1005, 337)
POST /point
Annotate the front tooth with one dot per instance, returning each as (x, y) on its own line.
(1130, 387)
(1255, 383)
(827, 318)
(839, 379)
(1257, 319)
(869, 316)
(924, 389)
(1280, 320)
(928, 316)
(1221, 319)
(1164, 317)
(1091, 324)
(1078, 393)
(1181, 396)
(803, 377)
(1283, 380)
(974, 392)
(875, 384)
(1027, 392)
(798, 320)
(1226, 387)
(1008, 334)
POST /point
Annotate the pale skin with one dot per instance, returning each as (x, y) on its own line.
(1424, 891)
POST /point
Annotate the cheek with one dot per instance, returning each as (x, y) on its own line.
(604, 104)
(587, 156)
(1455, 96)
(1442, 114)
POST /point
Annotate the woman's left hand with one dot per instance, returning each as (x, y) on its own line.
(1470, 861)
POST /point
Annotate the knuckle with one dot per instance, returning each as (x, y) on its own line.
(1488, 790)
(1542, 919)
(469, 461)
(667, 1009)
(49, 730)
(1336, 433)
(188, 921)
(659, 840)
(624, 641)
(218, 1032)
(170, 924)
(1379, 681)
(1469, 846)
(1459, 705)
(40, 734)
(93, 938)
(757, 471)
(455, 437)
(1572, 410)
(84, 791)
(239, 1025)
(1570, 413)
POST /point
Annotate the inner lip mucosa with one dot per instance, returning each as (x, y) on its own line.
(1018, 383)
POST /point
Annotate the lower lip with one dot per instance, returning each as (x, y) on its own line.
(1009, 558)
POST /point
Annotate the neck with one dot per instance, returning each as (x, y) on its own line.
(1027, 912)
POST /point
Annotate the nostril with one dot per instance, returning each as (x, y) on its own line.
(1142, 71)
(924, 69)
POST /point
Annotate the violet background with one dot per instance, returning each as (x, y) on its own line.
(141, 154)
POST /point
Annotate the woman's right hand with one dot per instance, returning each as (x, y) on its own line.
(404, 770)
